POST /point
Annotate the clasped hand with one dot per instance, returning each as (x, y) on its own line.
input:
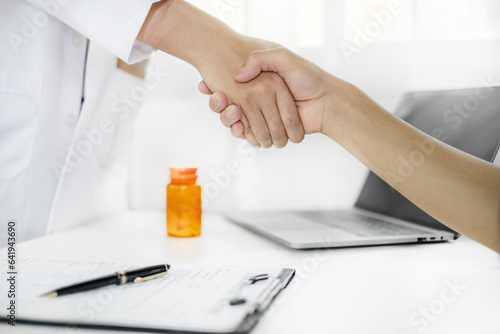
(270, 108)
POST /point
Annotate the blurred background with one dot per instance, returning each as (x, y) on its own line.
(426, 45)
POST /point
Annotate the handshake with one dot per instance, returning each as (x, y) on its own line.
(287, 97)
(282, 97)
(277, 96)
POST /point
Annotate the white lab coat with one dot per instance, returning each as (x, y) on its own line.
(44, 60)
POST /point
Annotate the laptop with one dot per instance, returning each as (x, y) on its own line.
(468, 119)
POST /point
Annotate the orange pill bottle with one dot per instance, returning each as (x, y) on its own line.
(183, 203)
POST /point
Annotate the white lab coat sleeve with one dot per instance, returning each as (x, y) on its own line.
(113, 24)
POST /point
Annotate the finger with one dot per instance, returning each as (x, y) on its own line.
(248, 132)
(203, 88)
(218, 102)
(237, 130)
(230, 115)
(278, 60)
(257, 124)
(289, 115)
(274, 123)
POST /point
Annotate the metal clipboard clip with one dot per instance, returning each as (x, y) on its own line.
(238, 300)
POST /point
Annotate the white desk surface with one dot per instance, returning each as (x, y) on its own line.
(383, 289)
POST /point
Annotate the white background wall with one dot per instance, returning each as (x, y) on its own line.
(431, 44)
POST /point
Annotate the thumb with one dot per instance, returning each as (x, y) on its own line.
(273, 60)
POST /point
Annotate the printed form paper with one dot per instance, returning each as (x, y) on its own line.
(189, 297)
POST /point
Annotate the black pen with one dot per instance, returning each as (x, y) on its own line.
(118, 278)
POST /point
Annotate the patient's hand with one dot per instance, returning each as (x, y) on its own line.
(310, 86)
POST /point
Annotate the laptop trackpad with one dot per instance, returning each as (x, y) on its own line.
(295, 228)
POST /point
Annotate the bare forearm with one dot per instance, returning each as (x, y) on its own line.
(459, 190)
(186, 32)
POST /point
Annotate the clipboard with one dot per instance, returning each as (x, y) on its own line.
(189, 299)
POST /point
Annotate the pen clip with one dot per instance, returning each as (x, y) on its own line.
(147, 278)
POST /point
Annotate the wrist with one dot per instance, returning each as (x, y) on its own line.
(225, 51)
(229, 51)
(340, 107)
(184, 31)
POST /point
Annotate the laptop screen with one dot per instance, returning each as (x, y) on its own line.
(468, 119)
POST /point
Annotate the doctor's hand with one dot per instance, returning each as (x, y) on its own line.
(265, 108)
(310, 86)
(184, 31)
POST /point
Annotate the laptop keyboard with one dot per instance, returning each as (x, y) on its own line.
(361, 225)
